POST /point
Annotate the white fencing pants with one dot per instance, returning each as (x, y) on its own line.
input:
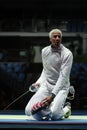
(55, 108)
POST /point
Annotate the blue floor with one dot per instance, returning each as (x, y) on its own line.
(18, 119)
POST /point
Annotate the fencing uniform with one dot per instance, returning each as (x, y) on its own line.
(57, 63)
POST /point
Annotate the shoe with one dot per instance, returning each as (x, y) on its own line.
(46, 118)
(46, 114)
(68, 113)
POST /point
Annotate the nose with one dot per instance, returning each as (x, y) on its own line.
(57, 37)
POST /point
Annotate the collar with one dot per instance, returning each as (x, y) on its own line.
(58, 49)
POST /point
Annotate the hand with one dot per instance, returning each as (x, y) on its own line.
(47, 101)
(37, 107)
(34, 87)
(40, 105)
(36, 84)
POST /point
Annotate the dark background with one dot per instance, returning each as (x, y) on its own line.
(44, 8)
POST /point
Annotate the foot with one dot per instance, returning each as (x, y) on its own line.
(46, 118)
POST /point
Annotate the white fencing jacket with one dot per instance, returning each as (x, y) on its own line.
(57, 65)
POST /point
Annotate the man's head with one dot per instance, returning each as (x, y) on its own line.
(55, 36)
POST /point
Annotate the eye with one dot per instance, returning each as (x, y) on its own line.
(55, 36)
(59, 36)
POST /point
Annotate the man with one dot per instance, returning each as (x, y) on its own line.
(49, 100)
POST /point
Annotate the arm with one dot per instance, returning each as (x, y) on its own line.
(64, 73)
(63, 78)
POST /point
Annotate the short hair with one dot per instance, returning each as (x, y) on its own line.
(55, 30)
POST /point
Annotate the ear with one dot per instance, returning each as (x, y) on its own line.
(50, 40)
(61, 39)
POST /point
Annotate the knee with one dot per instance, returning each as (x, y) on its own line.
(56, 115)
(27, 111)
(37, 116)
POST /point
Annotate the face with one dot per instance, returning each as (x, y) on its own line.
(56, 39)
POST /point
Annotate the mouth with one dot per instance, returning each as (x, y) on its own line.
(57, 44)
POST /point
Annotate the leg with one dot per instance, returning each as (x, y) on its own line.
(67, 109)
(37, 97)
(57, 105)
